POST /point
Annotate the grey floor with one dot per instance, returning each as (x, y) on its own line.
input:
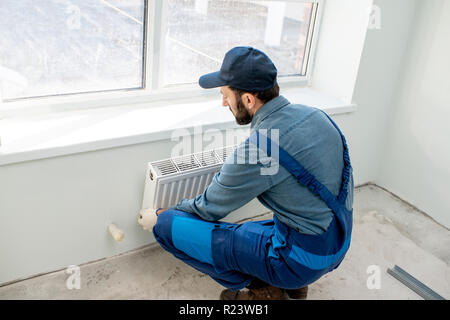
(387, 232)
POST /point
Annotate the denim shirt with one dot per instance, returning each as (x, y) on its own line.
(308, 136)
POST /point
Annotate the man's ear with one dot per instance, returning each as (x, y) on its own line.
(249, 100)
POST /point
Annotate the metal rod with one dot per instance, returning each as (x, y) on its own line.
(414, 284)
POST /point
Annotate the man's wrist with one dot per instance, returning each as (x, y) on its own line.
(159, 210)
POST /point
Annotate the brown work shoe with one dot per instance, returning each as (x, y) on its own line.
(297, 294)
(265, 293)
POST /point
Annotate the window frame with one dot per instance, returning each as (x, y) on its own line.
(150, 92)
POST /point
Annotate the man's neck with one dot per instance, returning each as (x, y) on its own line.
(257, 107)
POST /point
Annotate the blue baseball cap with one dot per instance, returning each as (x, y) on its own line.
(243, 68)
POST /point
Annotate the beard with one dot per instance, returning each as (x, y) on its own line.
(242, 116)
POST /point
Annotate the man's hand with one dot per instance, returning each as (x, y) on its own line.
(147, 217)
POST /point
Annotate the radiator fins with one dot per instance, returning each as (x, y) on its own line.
(191, 161)
(170, 180)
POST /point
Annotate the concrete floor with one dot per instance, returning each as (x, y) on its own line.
(387, 232)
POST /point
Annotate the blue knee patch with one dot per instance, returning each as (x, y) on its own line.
(162, 230)
(193, 237)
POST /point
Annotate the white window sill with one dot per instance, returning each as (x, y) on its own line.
(64, 133)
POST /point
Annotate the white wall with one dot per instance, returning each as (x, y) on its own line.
(54, 212)
(416, 159)
(342, 35)
(379, 70)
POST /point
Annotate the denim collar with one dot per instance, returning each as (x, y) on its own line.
(267, 109)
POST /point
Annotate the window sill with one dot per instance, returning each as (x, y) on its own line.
(64, 133)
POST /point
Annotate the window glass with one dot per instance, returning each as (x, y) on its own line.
(200, 32)
(53, 47)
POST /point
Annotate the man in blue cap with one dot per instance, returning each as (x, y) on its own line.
(310, 192)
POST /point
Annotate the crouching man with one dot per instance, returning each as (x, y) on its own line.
(302, 173)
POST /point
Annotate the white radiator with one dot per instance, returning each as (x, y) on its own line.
(170, 180)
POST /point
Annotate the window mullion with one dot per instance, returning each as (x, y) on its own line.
(156, 44)
(148, 32)
(314, 34)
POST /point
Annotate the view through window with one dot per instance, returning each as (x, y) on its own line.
(200, 32)
(53, 47)
(56, 47)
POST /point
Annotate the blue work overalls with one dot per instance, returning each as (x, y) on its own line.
(235, 254)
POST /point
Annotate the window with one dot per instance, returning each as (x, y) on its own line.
(199, 32)
(52, 48)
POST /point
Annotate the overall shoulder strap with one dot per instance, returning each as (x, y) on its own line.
(347, 171)
(336, 204)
